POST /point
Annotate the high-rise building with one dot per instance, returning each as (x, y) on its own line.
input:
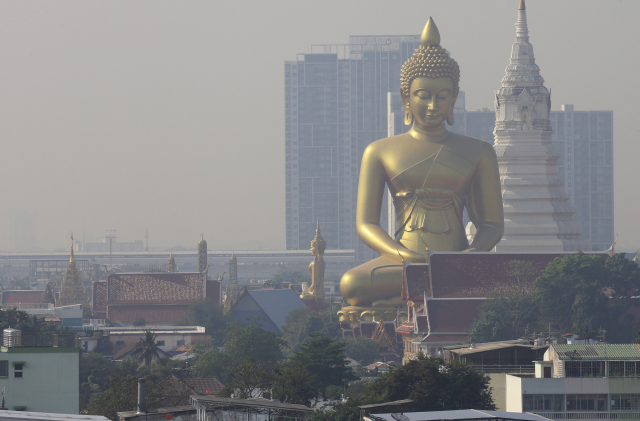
(335, 106)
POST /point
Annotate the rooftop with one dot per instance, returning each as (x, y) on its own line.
(28, 415)
(462, 414)
(598, 352)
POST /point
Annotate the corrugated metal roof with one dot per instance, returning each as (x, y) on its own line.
(598, 352)
(462, 414)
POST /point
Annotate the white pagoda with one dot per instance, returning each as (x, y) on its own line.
(537, 213)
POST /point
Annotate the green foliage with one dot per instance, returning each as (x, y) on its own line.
(95, 371)
(293, 383)
(324, 359)
(428, 381)
(505, 318)
(121, 394)
(302, 322)
(139, 321)
(249, 378)
(575, 293)
(147, 348)
(28, 325)
(272, 283)
(243, 342)
(164, 367)
(292, 277)
(208, 315)
(361, 349)
(18, 283)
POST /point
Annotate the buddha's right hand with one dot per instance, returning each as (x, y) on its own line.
(411, 256)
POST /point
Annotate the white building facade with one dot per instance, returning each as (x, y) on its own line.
(538, 213)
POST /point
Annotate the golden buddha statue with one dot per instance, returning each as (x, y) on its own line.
(316, 269)
(432, 174)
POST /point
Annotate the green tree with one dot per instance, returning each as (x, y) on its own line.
(324, 358)
(147, 348)
(243, 341)
(120, 394)
(94, 371)
(249, 378)
(302, 322)
(361, 349)
(21, 320)
(292, 383)
(505, 318)
(208, 315)
(432, 384)
(292, 277)
(139, 321)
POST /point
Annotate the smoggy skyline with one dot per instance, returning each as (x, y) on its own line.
(169, 116)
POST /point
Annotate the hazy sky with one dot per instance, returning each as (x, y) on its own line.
(130, 115)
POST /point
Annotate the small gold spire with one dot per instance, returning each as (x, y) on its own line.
(522, 5)
(430, 34)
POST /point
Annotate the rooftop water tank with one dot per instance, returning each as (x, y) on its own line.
(11, 338)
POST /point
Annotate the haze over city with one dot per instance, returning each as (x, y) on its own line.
(169, 116)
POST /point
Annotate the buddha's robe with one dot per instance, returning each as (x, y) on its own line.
(432, 183)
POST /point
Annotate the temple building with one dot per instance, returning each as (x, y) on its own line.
(537, 211)
(232, 292)
(72, 290)
(171, 265)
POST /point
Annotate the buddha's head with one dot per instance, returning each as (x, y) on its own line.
(318, 244)
(429, 83)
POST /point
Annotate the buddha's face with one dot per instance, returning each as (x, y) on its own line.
(430, 100)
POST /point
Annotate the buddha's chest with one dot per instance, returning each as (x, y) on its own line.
(431, 166)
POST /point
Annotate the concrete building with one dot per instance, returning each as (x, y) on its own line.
(576, 382)
(335, 106)
(40, 373)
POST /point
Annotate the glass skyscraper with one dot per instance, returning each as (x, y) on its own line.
(335, 106)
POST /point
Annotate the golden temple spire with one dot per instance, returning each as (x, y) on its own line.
(171, 267)
(72, 258)
(522, 7)
(430, 34)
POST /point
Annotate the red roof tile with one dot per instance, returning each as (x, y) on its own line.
(13, 297)
(99, 297)
(201, 386)
(156, 288)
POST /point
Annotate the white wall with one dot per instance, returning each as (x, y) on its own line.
(50, 382)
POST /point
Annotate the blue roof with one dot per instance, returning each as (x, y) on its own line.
(277, 303)
(462, 414)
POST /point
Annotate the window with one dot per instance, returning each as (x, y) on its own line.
(119, 342)
(4, 368)
(17, 370)
(584, 368)
(180, 342)
(586, 402)
(543, 402)
(160, 343)
(627, 402)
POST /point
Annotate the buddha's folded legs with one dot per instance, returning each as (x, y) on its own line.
(375, 283)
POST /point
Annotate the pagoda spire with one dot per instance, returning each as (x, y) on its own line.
(72, 290)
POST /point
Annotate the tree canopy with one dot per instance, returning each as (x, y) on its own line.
(575, 293)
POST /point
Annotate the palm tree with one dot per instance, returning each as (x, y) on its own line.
(146, 348)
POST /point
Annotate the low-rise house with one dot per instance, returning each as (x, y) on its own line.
(40, 372)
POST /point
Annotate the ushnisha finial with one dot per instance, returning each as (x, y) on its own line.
(430, 34)
(318, 226)
(522, 7)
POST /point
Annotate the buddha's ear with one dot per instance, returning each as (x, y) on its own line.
(404, 99)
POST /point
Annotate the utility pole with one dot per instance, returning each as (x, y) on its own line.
(111, 235)
(146, 236)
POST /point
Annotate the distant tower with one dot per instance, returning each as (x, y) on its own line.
(171, 267)
(202, 255)
(72, 291)
(233, 290)
(146, 237)
(537, 213)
